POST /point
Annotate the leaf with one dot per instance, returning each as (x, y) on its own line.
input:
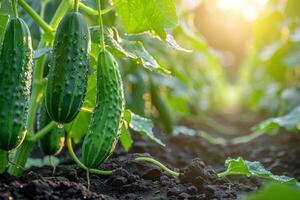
(3, 22)
(172, 42)
(125, 139)
(240, 166)
(274, 191)
(139, 16)
(141, 125)
(40, 52)
(289, 121)
(111, 38)
(125, 48)
(142, 56)
(182, 130)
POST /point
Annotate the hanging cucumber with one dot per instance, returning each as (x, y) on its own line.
(104, 128)
(53, 142)
(163, 109)
(137, 93)
(67, 79)
(15, 83)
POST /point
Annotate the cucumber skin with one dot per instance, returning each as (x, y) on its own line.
(52, 143)
(15, 83)
(105, 125)
(67, 78)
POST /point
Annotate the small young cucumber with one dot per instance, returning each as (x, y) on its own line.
(15, 83)
(165, 114)
(67, 78)
(104, 128)
(53, 142)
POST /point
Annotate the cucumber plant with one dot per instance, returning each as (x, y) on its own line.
(61, 94)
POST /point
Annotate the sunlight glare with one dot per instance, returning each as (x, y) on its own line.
(248, 8)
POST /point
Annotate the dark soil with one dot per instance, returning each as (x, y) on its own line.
(198, 161)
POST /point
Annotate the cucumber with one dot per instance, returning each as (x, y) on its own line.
(138, 90)
(53, 142)
(105, 125)
(15, 83)
(165, 114)
(67, 78)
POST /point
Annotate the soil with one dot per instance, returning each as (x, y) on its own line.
(196, 159)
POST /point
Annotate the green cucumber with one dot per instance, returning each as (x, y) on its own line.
(15, 83)
(165, 114)
(105, 125)
(53, 142)
(67, 78)
(138, 90)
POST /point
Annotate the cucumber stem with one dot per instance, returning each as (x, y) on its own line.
(14, 8)
(91, 11)
(35, 16)
(20, 158)
(159, 164)
(52, 165)
(43, 132)
(101, 26)
(3, 161)
(76, 5)
(11, 162)
(79, 163)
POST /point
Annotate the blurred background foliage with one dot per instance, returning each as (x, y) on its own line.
(224, 56)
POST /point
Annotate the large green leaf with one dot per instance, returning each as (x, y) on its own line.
(142, 56)
(139, 16)
(240, 166)
(134, 50)
(274, 191)
(141, 125)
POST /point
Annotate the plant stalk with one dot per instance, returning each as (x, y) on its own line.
(101, 26)
(76, 5)
(3, 161)
(35, 16)
(20, 158)
(91, 11)
(14, 8)
(79, 163)
(159, 164)
(43, 132)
